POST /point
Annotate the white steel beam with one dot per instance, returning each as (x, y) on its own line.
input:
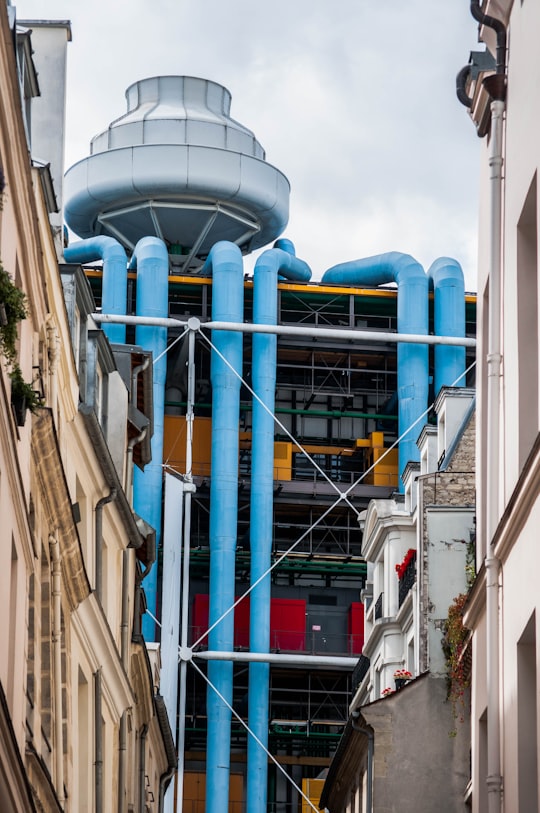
(193, 323)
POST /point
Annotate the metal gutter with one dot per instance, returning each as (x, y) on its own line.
(136, 538)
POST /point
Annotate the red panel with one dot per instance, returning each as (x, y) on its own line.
(355, 628)
(241, 623)
(241, 619)
(288, 624)
(199, 618)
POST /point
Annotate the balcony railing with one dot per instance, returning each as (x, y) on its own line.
(379, 607)
(313, 642)
(360, 671)
(407, 580)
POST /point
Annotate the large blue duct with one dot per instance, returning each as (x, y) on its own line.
(225, 262)
(277, 262)
(412, 359)
(151, 260)
(114, 286)
(446, 277)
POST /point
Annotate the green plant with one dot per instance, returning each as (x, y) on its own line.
(454, 641)
(12, 310)
(22, 391)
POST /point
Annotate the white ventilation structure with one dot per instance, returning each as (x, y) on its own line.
(178, 167)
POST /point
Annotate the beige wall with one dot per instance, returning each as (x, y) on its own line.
(45, 467)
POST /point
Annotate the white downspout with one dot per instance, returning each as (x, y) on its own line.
(492, 564)
(57, 661)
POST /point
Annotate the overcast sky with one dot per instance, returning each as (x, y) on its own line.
(353, 100)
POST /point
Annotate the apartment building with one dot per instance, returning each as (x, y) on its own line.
(500, 92)
(84, 727)
(407, 736)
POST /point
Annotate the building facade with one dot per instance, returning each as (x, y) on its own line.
(503, 607)
(83, 722)
(407, 737)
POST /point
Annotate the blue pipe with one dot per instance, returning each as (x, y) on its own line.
(446, 278)
(225, 262)
(114, 282)
(151, 260)
(277, 262)
(412, 360)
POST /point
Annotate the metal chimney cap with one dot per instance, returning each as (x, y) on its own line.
(177, 166)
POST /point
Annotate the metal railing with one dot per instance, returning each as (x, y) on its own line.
(407, 580)
(379, 607)
(360, 671)
(313, 642)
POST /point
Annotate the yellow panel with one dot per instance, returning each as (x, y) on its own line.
(384, 473)
(377, 439)
(312, 788)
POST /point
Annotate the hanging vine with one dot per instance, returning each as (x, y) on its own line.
(454, 643)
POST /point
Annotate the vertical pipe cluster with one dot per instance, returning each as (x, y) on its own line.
(271, 264)
(446, 277)
(413, 360)
(225, 262)
(114, 284)
(151, 260)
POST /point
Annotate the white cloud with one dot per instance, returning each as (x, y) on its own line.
(354, 101)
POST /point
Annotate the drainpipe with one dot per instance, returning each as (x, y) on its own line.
(124, 621)
(496, 87)
(151, 260)
(57, 660)
(492, 563)
(446, 278)
(99, 540)
(412, 360)
(129, 461)
(225, 262)
(461, 86)
(369, 734)
(164, 783)
(134, 441)
(122, 763)
(98, 742)
(500, 30)
(142, 768)
(277, 262)
(114, 279)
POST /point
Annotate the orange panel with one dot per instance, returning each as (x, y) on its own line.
(282, 461)
(174, 444)
(195, 792)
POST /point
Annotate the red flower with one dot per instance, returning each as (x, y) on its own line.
(408, 558)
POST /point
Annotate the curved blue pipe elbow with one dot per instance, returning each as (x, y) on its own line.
(413, 360)
(114, 280)
(225, 263)
(446, 277)
(275, 263)
(151, 260)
